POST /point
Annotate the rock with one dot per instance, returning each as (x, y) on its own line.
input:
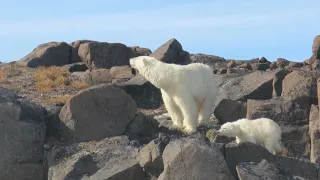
(98, 55)
(273, 66)
(102, 110)
(111, 158)
(22, 136)
(230, 110)
(139, 51)
(99, 76)
(260, 66)
(295, 64)
(48, 54)
(121, 73)
(263, 170)
(214, 62)
(255, 85)
(171, 52)
(314, 133)
(193, 159)
(301, 85)
(76, 67)
(231, 64)
(150, 156)
(291, 117)
(145, 94)
(277, 82)
(281, 62)
(142, 128)
(316, 47)
(223, 71)
(245, 66)
(53, 121)
(249, 152)
(316, 64)
(75, 58)
(263, 60)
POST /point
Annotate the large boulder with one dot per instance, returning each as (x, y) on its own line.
(97, 112)
(22, 136)
(292, 118)
(314, 133)
(230, 110)
(193, 159)
(104, 55)
(301, 86)
(277, 81)
(171, 52)
(75, 58)
(109, 159)
(48, 54)
(121, 73)
(145, 94)
(255, 85)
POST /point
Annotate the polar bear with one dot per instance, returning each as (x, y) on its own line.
(188, 91)
(261, 131)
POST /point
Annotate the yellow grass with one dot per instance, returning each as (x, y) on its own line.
(79, 85)
(49, 78)
(59, 99)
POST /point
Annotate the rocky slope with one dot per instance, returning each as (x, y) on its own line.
(87, 115)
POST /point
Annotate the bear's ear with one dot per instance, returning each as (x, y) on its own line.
(145, 61)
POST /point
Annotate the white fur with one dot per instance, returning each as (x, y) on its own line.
(262, 131)
(188, 91)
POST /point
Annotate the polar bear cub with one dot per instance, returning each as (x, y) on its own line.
(262, 131)
(188, 91)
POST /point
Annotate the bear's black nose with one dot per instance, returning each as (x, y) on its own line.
(133, 71)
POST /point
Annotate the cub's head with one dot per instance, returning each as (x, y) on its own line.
(228, 129)
(141, 63)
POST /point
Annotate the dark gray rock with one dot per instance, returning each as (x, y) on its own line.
(76, 67)
(277, 81)
(230, 110)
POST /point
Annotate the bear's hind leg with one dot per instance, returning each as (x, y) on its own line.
(189, 111)
(173, 110)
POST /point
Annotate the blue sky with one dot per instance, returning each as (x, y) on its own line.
(238, 29)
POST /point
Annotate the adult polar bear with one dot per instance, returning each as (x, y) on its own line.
(188, 91)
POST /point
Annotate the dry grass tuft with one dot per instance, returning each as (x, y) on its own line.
(49, 78)
(79, 85)
(59, 99)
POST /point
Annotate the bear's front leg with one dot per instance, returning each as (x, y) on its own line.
(189, 111)
(173, 110)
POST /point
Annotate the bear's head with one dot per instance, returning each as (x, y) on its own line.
(142, 63)
(229, 129)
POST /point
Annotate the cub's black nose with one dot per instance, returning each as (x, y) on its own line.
(133, 71)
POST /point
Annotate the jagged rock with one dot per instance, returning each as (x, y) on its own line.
(263, 170)
(314, 133)
(99, 76)
(301, 86)
(260, 66)
(22, 135)
(98, 55)
(110, 158)
(295, 64)
(193, 159)
(277, 82)
(146, 95)
(121, 73)
(316, 47)
(150, 156)
(230, 110)
(53, 121)
(231, 64)
(48, 54)
(102, 110)
(281, 62)
(139, 51)
(245, 66)
(171, 52)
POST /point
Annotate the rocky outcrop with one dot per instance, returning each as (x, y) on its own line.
(48, 54)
